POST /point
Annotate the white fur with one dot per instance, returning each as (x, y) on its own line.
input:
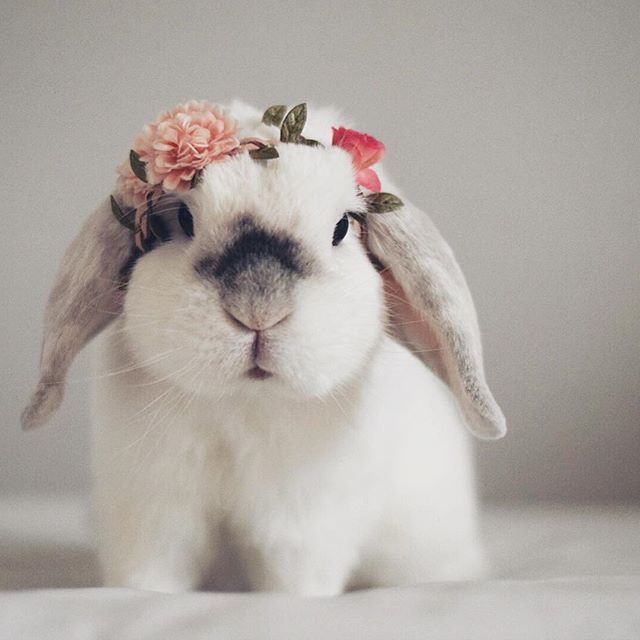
(350, 467)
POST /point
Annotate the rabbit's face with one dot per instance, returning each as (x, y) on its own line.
(274, 293)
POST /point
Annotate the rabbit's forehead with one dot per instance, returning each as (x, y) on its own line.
(304, 188)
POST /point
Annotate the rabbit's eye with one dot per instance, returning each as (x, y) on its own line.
(185, 220)
(159, 228)
(341, 230)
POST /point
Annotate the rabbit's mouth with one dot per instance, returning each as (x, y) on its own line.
(257, 373)
(261, 354)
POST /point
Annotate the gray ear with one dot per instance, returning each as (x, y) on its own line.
(432, 311)
(86, 296)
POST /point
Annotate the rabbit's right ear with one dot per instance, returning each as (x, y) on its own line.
(86, 296)
(432, 310)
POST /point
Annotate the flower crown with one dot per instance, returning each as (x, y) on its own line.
(168, 157)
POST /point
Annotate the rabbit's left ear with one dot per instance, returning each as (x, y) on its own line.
(86, 296)
(432, 311)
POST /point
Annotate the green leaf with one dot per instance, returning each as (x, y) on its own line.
(275, 115)
(293, 123)
(125, 219)
(383, 202)
(309, 142)
(264, 153)
(138, 167)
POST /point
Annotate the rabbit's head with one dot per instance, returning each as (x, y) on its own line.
(263, 280)
(273, 293)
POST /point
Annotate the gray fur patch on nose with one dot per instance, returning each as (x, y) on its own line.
(254, 254)
(255, 273)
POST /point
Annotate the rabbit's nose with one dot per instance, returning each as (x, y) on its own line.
(257, 321)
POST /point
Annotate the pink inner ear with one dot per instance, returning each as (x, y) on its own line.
(413, 327)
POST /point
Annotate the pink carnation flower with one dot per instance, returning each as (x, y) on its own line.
(365, 150)
(183, 141)
(132, 189)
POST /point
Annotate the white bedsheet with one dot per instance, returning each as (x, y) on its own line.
(559, 572)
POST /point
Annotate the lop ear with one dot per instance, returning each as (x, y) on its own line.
(432, 311)
(86, 296)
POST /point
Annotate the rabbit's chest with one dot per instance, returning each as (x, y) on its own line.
(268, 484)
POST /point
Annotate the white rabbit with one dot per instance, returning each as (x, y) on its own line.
(261, 399)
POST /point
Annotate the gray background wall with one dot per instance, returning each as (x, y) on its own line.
(515, 124)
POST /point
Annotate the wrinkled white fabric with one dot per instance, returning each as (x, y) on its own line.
(580, 608)
(559, 572)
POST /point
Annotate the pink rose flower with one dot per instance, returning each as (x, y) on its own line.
(365, 150)
(183, 141)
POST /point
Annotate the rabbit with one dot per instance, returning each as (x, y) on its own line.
(276, 383)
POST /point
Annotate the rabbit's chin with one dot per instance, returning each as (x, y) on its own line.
(275, 386)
